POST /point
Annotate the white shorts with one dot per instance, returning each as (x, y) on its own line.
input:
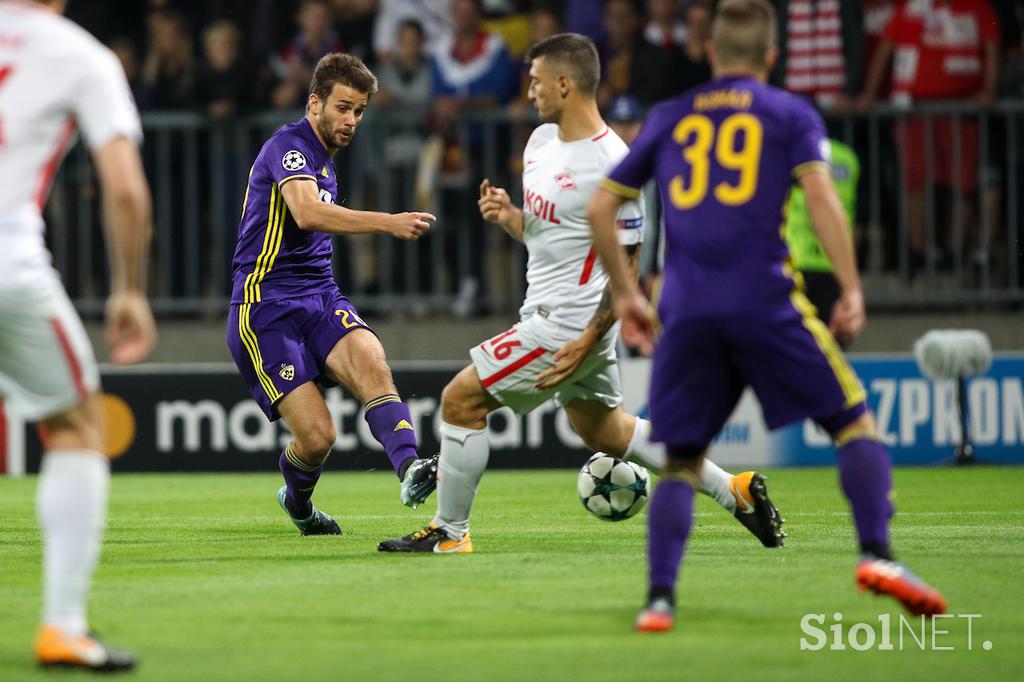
(46, 361)
(509, 363)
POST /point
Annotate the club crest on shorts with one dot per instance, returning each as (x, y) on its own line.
(287, 372)
(293, 160)
(566, 181)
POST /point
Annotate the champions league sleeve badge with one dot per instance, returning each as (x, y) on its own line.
(293, 160)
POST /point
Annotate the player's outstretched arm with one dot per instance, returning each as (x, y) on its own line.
(128, 217)
(311, 214)
(496, 207)
(630, 306)
(831, 225)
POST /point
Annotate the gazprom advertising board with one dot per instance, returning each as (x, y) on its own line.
(917, 418)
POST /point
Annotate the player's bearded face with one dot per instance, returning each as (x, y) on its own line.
(338, 117)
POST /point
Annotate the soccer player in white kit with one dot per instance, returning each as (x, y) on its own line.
(563, 347)
(56, 78)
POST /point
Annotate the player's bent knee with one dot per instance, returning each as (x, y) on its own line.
(863, 426)
(315, 445)
(684, 458)
(79, 428)
(464, 402)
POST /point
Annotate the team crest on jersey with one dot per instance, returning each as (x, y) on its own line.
(293, 160)
(566, 181)
(287, 372)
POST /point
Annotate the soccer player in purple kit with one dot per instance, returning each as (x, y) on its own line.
(732, 309)
(289, 328)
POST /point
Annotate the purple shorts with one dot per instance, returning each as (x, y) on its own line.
(787, 355)
(280, 345)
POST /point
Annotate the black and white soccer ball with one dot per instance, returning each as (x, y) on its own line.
(612, 489)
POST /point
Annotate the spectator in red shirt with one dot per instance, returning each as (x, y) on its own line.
(942, 50)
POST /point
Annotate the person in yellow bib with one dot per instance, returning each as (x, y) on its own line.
(808, 257)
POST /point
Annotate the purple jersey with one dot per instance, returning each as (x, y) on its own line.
(725, 156)
(273, 258)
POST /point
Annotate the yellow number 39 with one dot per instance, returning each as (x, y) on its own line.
(696, 133)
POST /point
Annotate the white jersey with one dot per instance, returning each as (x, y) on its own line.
(565, 280)
(55, 78)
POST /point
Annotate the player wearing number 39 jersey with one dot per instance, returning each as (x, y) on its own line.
(732, 310)
(563, 347)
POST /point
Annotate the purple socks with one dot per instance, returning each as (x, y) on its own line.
(669, 519)
(865, 474)
(391, 424)
(301, 478)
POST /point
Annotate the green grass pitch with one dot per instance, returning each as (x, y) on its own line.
(204, 577)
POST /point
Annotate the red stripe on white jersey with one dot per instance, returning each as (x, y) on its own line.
(50, 167)
(69, 353)
(600, 135)
(514, 367)
(588, 266)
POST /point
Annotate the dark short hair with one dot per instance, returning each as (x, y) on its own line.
(338, 67)
(574, 53)
(634, 5)
(411, 24)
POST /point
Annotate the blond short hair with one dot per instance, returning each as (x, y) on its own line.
(743, 32)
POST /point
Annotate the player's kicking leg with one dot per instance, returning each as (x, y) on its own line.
(358, 362)
(465, 449)
(744, 495)
(865, 473)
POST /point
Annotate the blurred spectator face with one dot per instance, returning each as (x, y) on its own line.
(620, 22)
(625, 116)
(220, 45)
(543, 92)
(465, 17)
(409, 44)
(698, 20)
(167, 34)
(314, 20)
(543, 24)
(662, 11)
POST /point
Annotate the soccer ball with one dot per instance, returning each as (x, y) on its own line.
(612, 489)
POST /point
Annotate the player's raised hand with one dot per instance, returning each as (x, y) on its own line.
(131, 331)
(848, 317)
(638, 325)
(567, 359)
(494, 203)
(411, 225)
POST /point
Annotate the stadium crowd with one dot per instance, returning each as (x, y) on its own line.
(440, 58)
(227, 57)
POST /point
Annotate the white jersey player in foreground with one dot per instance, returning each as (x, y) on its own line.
(563, 347)
(54, 78)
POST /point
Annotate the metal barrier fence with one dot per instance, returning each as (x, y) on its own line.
(939, 227)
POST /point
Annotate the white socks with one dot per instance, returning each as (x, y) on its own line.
(71, 503)
(464, 455)
(642, 451)
(714, 481)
